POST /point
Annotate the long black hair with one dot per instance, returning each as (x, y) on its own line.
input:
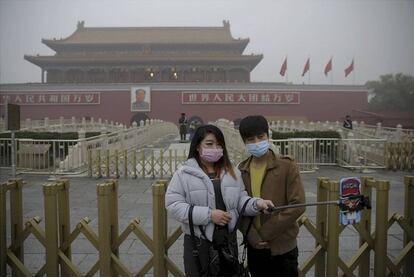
(200, 133)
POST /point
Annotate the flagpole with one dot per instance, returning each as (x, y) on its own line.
(309, 72)
(332, 70)
(353, 73)
(287, 70)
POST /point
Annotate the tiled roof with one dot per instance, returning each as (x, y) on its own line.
(148, 35)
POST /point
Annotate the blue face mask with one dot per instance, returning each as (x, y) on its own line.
(258, 149)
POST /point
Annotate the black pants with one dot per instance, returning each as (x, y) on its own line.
(262, 263)
(192, 266)
(183, 132)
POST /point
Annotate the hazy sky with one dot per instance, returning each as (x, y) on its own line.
(379, 34)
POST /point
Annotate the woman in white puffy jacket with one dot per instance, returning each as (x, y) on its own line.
(208, 182)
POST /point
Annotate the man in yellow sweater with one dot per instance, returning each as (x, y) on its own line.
(272, 247)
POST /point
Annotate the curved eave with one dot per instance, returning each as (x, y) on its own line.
(46, 61)
(57, 45)
(34, 59)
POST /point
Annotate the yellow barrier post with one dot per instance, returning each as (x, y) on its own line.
(16, 218)
(104, 229)
(409, 215)
(113, 203)
(159, 234)
(365, 222)
(333, 231)
(51, 233)
(3, 230)
(64, 219)
(321, 215)
(381, 223)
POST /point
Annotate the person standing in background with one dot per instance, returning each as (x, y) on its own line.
(182, 121)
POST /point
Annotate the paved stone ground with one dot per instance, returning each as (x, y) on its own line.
(135, 201)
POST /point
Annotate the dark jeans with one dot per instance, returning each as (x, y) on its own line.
(262, 263)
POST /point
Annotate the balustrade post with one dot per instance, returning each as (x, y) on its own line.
(134, 163)
(381, 223)
(90, 167)
(125, 163)
(408, 268)
(116, 164)
(108, 155)
(161, 163)
(99, 163)
(152, 164)
(143, 163)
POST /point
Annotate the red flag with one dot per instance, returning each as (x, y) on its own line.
(349, 69)
(306, 68)
(328, 67)
(283, 68)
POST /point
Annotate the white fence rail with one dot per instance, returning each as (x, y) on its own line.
(310, 153)
(62, 124)
(71, 156)
(360, 129)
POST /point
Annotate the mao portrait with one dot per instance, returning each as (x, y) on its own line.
(140, 99)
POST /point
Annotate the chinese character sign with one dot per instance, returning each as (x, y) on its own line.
(236, 97)
(51, 98)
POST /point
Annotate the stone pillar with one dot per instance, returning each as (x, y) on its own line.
(83, 122)
(46, 122)
(379, 129)
(301, 126)
(61, 124)
(398, 133)
(311, 126)
(28, 123)
(284, 125)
